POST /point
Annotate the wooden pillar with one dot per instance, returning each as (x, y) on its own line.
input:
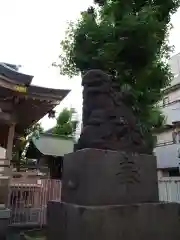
(5, 171)
(10, 142)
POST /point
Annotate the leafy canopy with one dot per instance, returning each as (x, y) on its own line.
(127, 39)
(22, 144)
(65, 125)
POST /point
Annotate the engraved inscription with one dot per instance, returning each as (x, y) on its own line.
(128, 171)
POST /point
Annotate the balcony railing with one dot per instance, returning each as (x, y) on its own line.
(164, 143)
(169, 189)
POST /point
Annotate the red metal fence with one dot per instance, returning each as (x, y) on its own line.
(28, 202)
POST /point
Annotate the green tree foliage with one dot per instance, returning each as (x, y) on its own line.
(128, 40)
(65, 125)
(22, 143)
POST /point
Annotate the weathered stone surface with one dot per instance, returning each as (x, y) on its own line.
(107, 122)
(4, 223)
(154, 221)
(4, 191)
(100, 177)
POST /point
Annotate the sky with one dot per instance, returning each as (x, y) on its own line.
(31, 31)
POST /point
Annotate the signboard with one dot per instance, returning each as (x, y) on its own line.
(21, 89)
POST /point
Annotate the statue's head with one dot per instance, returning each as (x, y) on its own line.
(95, 77)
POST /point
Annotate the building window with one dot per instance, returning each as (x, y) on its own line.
(165, 101)
(176, 136)
(174, 172)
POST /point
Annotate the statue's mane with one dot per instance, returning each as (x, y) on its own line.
(108, 123)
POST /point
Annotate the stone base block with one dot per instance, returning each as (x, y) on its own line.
(4, 191)
(4, 223)
(152, 221)
(103, 177)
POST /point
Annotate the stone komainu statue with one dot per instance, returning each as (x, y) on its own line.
(107, 122)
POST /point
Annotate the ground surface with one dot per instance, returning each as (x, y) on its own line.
(26, 235)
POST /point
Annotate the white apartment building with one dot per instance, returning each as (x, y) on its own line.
(168, 140)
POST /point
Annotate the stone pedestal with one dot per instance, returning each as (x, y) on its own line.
(4, 192)
(111, 195)
(152, 221)
(4, 222)
(99, 177)
(4, 182)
